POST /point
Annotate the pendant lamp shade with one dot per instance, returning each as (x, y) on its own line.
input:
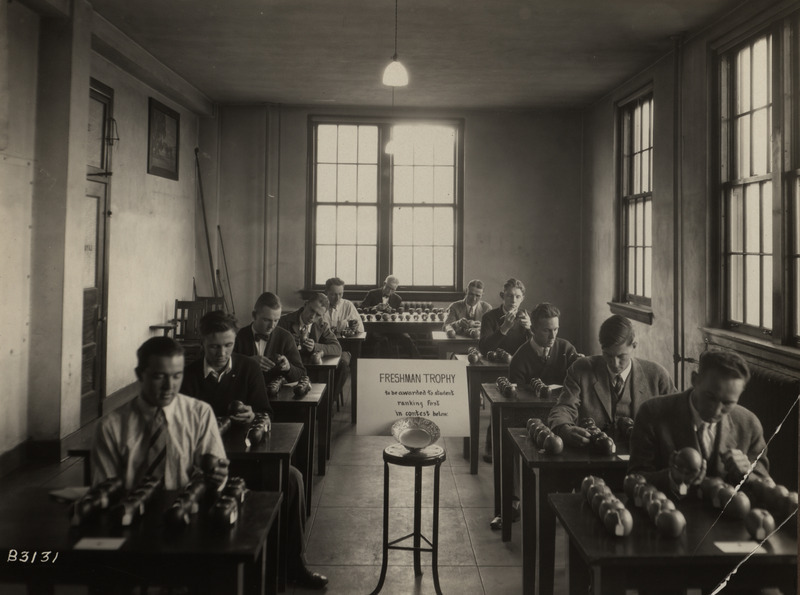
(395, 74)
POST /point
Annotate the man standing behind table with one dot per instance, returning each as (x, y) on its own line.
(384, 299)
(221, 376)
(706, 417)
(465, 315)
(341, 315)
(272, 348)
(159, 433)
(544, 356)
(507, 326)
(608, 386)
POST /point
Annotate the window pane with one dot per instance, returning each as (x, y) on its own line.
(346, 221)
(639, 271)
(346, 262)
(326, 230)
(645, 124)
(326, 183)
(403, 143)
(766, 217)
(423, 229)
(423, 184)
(743, 147)
(443, 266)
(637, 129)
(766, 292)
(761, 142)
(444, 143)
(443, 185)
(402, 226)
(367, 144)
(743, 81)
(346, 186)
(367, 183)
(639, 223)
(348, 144)
(735, 230)
(631, 222)
(752, 210)
(736, 282)
(637, 173)
(403, 184)
(631, 282)
(648, 271)
(648, 223)
(443, 232)
(326, 263)
(761, 68)
(645, 171)
(752, 314)
(326, 143)
(367, 225)
(402, 264)
(423, 265)
(366, 265)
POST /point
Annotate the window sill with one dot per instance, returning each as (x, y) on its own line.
(766, 354)
(632, 311)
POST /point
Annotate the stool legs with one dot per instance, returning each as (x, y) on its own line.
(385, 529)
(435, 544)
(417, 518)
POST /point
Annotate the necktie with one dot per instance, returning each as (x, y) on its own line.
(471, 313)
(618, 384)
(704, 439)
(545, 353)
(157, 445)
(261, 337)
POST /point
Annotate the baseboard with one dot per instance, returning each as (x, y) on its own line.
(12, 459)
(48, 451)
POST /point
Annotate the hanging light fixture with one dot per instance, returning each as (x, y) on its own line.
(395, 74)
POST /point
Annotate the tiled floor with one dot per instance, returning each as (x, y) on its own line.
(345, 527)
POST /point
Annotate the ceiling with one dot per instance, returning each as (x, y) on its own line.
(500, 54)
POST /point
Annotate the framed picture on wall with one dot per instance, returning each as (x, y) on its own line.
(163, 140)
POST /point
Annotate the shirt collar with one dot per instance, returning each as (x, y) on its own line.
(209, 370)
(538, 349)
(148, 411)
(625, 373)
(696, 419)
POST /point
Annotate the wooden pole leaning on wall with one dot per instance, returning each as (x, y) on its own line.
(205, 221)
(227, 274)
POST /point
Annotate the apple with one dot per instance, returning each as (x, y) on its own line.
(689, 461)
(589, 481)
(721, 495)
(601, 490)
(475, 333)
(553, 444)
(773, 496)
(670, 523)
(649, 495)
(609, 504)
(587, 422)
(451, 334)
(601, 495)
(708, 487)
(542, 436)
(630, 482)
(759, 523)
(657, 505)
(787, 506)
(618, 521)
(643, 495)
(533, 421)
(603, 444)
(236, 407)
(738, 507)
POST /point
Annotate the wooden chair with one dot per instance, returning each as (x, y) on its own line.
(211, 304)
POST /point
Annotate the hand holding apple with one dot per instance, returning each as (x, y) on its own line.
(264, 362)
(243, 415)
(736, 464)
(686, 468)
(574, 435)
(308, 344)
(283, 363)
(524, 319)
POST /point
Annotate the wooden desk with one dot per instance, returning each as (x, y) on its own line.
(304, 410)
(198, 556)
(324, 372)
(398, 327)
(277, 448)
(645, 559)
(353, 346)
(555, 473)
(505, 413)
(457, 344)
(477, 374)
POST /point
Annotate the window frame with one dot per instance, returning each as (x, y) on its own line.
(785, 87)
(385, 206)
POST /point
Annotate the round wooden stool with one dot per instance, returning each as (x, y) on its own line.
(397, 454)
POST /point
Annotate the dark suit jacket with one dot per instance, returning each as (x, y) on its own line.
(527, 364)
(321, 333)
(587, 390)
(458, 310)
(492, 338)
(243, 383)
(665, 424)
(280, 342)
(374, 297)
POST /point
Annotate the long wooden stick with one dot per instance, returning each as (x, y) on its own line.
(227, 274)
(205, 221)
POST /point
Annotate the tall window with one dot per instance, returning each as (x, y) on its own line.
(386, 198)
(759, 183)
(636, 188)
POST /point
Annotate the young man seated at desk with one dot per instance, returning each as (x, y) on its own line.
(222, 377)
(608, 386)
(708, 418)
(310, 332)
(544, 356)
(384, 299)
(341, 314)
(465, 315)
(272, 348)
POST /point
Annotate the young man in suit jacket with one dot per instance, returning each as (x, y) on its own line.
(706, 417)
(465, 315)
(272, 348)
(608, 386)
(311, 334)
(507, 326)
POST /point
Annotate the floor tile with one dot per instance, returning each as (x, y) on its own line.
(475, 490)
(498, 580)
(488, 545)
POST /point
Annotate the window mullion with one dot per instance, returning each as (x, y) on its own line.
(385, 192)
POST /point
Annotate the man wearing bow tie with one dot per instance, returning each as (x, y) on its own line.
(272, 348)
(544, 356)
(608, 386)
(465, 315)
(706, 417)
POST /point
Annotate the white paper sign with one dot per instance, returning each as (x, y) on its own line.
(392, 389)
(739, 547)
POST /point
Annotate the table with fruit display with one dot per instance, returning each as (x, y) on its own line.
(644, 540)
(479, 371)
(548, 466)
(411, 318)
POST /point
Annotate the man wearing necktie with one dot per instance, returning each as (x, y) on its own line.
(465, 315)
(706, 417)
(311, 333)
(161, 432)
(608, 386)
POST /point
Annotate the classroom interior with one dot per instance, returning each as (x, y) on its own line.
(538, 90)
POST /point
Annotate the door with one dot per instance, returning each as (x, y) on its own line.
(95, 214)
